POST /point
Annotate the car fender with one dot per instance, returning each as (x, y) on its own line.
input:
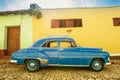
(40, 56)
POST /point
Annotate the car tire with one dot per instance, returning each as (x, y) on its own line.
(97, 65)
(32, 65)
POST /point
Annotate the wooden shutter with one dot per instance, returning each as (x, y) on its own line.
(116, 21)
(54, 23)
(62, 23)
(70, 23)
(77, 23)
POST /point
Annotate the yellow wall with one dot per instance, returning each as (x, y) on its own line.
(97, 30)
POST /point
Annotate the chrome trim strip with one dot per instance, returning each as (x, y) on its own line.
(13, 61)
(21, 57)
(68, 65)
(43, 61)
(109, 63)
(81, 56)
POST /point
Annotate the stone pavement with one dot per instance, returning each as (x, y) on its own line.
(18, 72)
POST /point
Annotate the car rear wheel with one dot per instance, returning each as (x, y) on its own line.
(32, 65)
(97, 65)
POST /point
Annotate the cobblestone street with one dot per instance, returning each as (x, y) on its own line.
(18, 72)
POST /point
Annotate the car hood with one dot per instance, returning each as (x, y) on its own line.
(26, 49)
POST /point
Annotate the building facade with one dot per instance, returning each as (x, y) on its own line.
(15, 32)
(91, 27)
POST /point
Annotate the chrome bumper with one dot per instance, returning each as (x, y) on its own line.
(13, 61)
(109, 63)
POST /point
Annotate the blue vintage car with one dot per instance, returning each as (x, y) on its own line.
(60, 51)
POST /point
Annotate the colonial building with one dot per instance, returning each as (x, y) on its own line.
(96, 27)
(90, 27)
(15, 31)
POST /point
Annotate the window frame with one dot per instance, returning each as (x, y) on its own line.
(66, 23)
(49, 47)
(116, 21)
(74, 46)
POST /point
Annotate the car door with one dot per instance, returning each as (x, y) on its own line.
(50, 47)
(68, 53)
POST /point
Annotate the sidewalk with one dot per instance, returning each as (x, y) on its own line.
(4, 61)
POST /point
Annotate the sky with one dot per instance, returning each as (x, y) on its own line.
(6, 5)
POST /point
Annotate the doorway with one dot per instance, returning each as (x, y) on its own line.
(13, 40)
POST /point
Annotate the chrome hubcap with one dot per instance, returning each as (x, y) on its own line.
(32, 65)
(97, 64)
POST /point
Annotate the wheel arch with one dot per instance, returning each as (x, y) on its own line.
(99, 68)
(30, 59)
(42, 62)
(99, 59)
(35, 64)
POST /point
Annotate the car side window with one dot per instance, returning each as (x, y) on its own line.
(50, 44)
(67, 44)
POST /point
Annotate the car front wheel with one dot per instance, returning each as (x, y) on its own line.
(32, 65)
(97, 65)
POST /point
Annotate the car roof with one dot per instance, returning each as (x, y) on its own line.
(53, 37)
(39, 42)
